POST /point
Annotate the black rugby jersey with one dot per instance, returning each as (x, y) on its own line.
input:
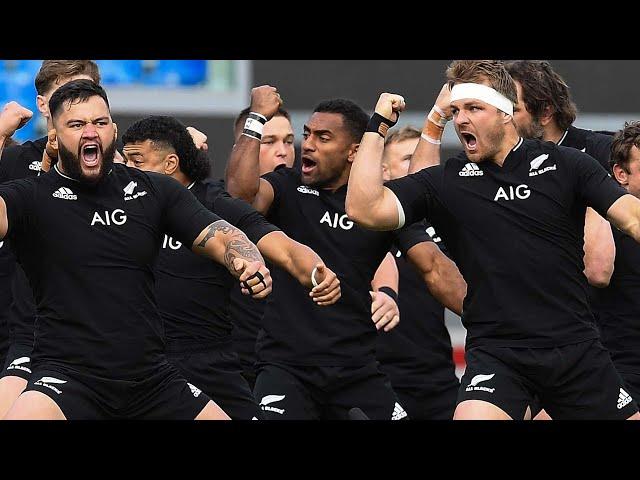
(516, 232)
(417, 353)
(246, 316)
(19, 161)
(596, 144)
(88, 252)
(193, 292)
(618, 306)
(295, 329)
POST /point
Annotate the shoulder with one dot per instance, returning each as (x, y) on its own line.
(283, 175)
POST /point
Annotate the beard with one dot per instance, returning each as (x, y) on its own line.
(71, 163)
(533, 131)
(494, 142)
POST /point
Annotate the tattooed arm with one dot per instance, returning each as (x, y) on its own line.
(229, 246)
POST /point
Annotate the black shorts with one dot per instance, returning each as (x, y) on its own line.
(429, 403)
(219, 374)
(575, 381)
(80, 396)
(18, 361)
(287, 392)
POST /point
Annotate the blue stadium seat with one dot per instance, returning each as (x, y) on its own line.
(29, 67)
(120, 72)
(173, 73)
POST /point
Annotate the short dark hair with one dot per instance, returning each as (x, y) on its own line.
(242, 116)
(169, 133)
(75, 92)
(542, 87)
(52, 71)
(622, 143)
(354, 117)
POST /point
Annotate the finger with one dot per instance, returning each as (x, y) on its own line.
(263, 293)
(393, 323)
(326, 283)
(317, 291)
(249, 271)
(327, 297)
(386, 318)
(380, 312)
(239, 264)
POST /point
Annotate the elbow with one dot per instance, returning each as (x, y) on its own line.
(598, 277)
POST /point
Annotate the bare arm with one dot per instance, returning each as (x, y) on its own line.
(599, 249)
(427, 152)
(441, 275)
(300, 261)
(229, 246)
(243, 168)
(625, 215)
(369, 202)
(384, 309)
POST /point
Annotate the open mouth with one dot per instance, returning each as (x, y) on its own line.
(470, 141)
(90, 154)
(308, 165)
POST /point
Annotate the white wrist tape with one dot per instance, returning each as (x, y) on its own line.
(430, 140)
(313, 277)
(482, 93)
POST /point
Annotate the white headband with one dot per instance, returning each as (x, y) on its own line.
(483, 93)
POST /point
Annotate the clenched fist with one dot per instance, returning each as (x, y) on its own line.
(265, 100)
(13, 117)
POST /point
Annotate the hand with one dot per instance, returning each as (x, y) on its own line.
(249, 274)
(199, 138)
(328, 290)
(265, 100)
(390, 105)
(50, 154)
(13, 117)
(118, 158)
(384, 311)
(443, 102)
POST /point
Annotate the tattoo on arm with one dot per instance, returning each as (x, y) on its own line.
(238, 245)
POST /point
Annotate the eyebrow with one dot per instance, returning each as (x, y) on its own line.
(318, 132)
(83, 121)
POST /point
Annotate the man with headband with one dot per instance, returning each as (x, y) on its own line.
(511, 212)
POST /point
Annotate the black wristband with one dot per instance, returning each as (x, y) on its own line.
(389, 291)
(380, 125)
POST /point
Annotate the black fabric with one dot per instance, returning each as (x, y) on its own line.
(571, 382)
(218, 373)
(18, 361)
(163, 395)
(517, 233)
(287, 392)
(246, 316)
(618, 306)
(88, 252)
(295, 330)
(193, 291)
(596, 144)
(417, 354)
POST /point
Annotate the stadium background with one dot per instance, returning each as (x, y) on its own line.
(207, 94)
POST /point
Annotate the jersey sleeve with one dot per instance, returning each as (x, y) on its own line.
(18, 196)
(10, 156)
(411, 235)
(242, 215)
(184, 216)
(279, 179)
(416, 193)
(593, 184)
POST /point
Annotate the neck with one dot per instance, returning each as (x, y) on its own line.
(511, 139)
(182, 178)
(342, 180)
(552, 133)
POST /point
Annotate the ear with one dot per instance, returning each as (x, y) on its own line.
(115, 131)
(386, 173)
(620, 175)
(547, 115)
(171, 164)
(353, 149)
(507, 118)
(43, 108)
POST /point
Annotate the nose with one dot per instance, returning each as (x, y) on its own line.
(281, 149)
(308, 145)
(460, 118)
(89, 131)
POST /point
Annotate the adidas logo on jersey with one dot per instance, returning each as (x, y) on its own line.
(35, 165)
(471, 170)
(303, 189)
(398, 412)
(195, 390)
(65, 193)
(623, 399)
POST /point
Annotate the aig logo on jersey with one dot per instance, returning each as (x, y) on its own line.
(471, 170)
(338, 221)
(521, 192)
(117, 217)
